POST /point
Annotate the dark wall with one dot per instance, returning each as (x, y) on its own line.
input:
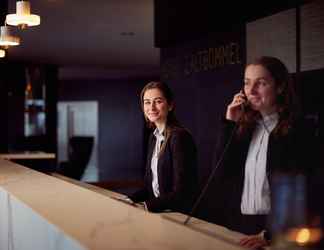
(204, 74)
(12, 94)
(121, 123)
(180, 21)
(3, 109)
(310, 89)
(51, 78)
(12, 99)
(16, 83)
(3, 11)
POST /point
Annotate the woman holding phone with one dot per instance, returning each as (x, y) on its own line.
(171, 167)
(268, 138)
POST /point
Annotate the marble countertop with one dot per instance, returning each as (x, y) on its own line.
(28, 155)
(97, 221)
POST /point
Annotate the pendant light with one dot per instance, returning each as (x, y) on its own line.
(6, 38)
(2, 53)
(23, 18)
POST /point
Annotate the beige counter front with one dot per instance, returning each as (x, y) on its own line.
(94, 220)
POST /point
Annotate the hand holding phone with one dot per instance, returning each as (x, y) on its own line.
(237, 107)
(245, 100)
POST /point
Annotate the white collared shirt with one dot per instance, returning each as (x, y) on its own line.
(256, 190)
(154, 162)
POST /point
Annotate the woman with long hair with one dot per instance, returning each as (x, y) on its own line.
(171, 167)
(264, 136)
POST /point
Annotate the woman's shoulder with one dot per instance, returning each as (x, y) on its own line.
(181, 134)
(182, 139)
(180, 131)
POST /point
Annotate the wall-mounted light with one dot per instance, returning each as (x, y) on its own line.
(7, 39)
(23, 18)
(2, 53)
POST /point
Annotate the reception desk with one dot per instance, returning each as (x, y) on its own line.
(29, 155)
(44, 212)
(40, 161)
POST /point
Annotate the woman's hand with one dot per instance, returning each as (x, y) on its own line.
(256, 241)
(234, 109)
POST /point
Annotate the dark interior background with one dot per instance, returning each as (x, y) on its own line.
(181, 28)
(121, 123)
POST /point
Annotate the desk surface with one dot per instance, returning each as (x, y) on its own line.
(30, 155)
(196, 224)
(99, 222)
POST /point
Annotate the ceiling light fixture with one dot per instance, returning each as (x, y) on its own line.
(23, 18)
(2, 53)
(6, 38)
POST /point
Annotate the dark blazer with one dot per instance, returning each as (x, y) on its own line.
(295, 152)
(177, 174)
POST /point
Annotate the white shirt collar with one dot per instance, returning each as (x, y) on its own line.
(159, 134)
(269, 122)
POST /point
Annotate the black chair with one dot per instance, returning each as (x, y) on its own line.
(80, 149)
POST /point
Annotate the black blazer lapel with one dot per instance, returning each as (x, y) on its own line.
(151, 146)
(160, 170)
(148, 170)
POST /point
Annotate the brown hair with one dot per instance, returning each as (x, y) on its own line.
(172, 121)
(286, 99)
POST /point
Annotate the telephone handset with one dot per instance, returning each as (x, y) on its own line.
(246, 103)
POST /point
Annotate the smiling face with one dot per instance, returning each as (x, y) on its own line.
(260, 89)
(156, 107)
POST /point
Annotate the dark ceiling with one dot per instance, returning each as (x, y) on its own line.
(105, 37)
(117, 37)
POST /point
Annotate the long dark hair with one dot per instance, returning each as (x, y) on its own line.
(171, 122)
(286, 98)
